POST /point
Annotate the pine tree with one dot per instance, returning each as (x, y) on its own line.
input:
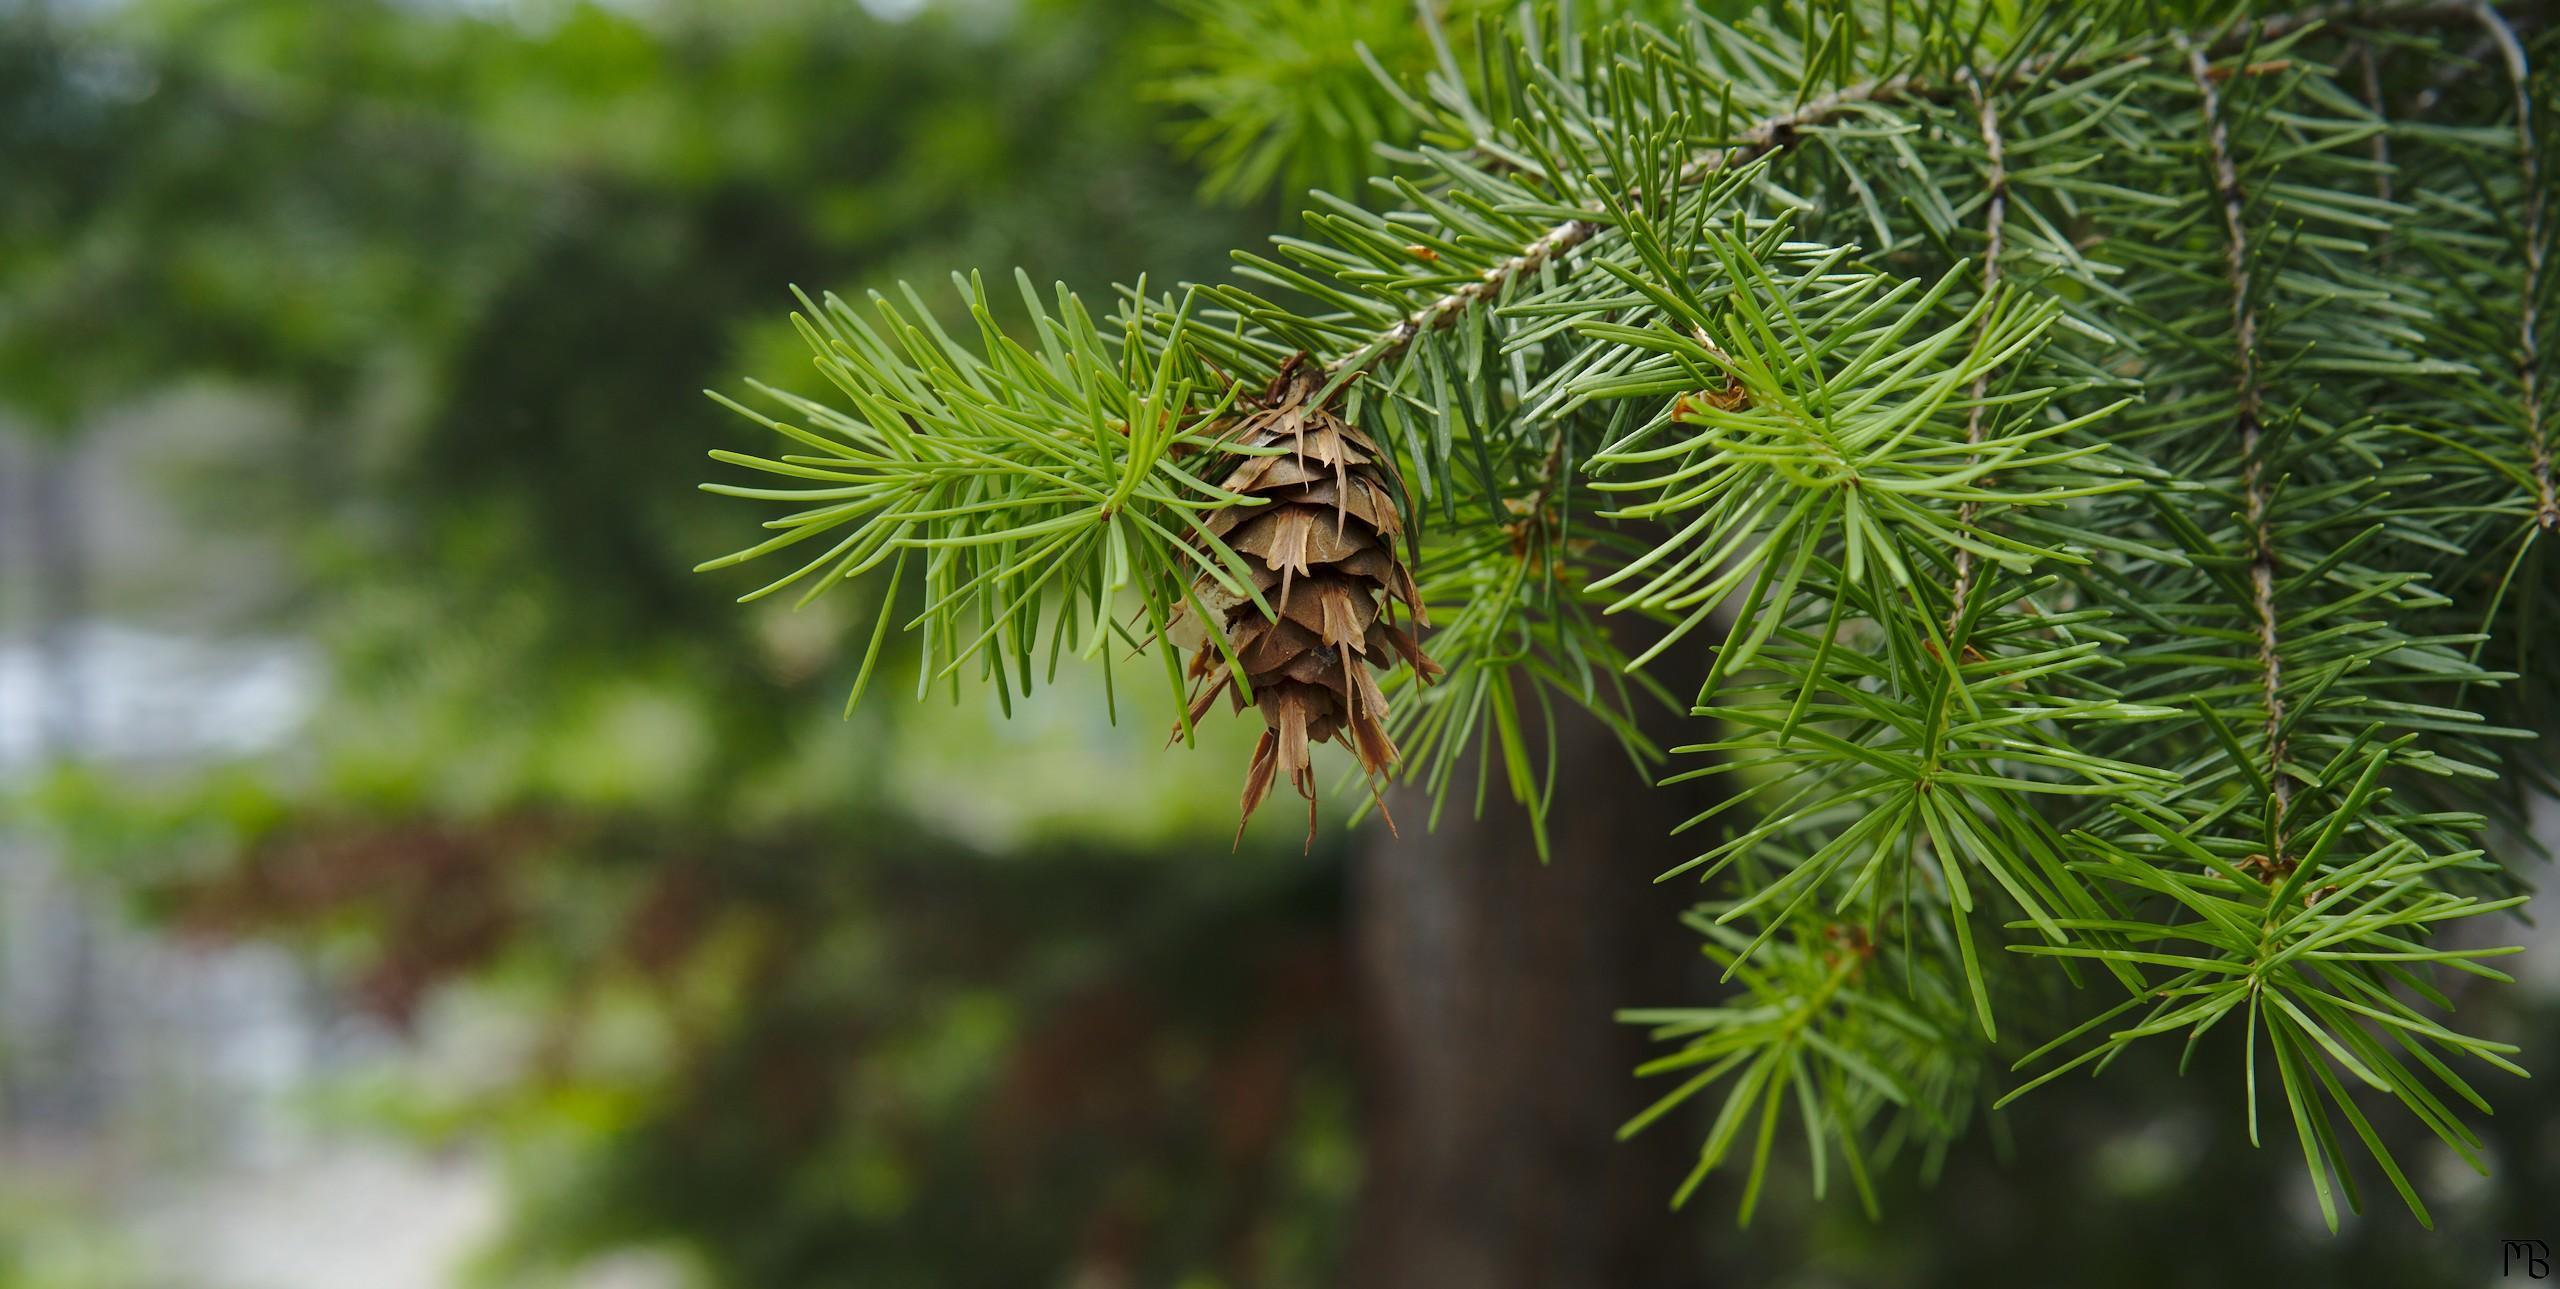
(2101, 447)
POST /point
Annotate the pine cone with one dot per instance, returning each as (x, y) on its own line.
(1323, 553)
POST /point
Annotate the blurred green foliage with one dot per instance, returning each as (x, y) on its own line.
(1284, 92)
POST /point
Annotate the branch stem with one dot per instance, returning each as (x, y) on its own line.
(1995, 220)
(2546, 507)
(2250, 424)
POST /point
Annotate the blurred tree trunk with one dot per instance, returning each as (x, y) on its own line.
(1495, 1075)
(54, 1058)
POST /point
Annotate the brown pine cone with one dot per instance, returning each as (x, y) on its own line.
(1323, 553)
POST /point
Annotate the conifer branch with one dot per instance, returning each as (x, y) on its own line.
(1760, 139)
(1710, 303)
(2253, 481)
(1771, 133)
(2546, 507)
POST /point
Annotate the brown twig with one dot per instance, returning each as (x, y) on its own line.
(2253, 480)
(2369, 65)
(2546, 508)
(1994, 226)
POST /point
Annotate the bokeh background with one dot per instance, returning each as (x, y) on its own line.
(411, 874)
